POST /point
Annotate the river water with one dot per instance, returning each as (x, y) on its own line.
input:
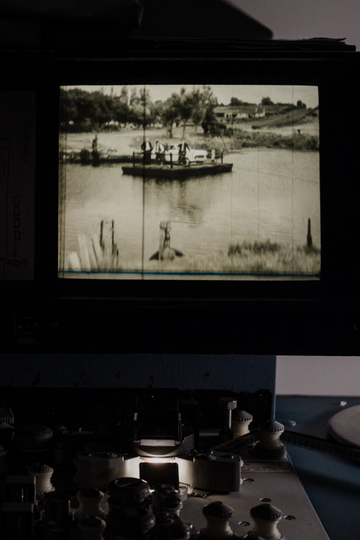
(270, 194)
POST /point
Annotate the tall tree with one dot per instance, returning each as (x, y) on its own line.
(124, 95)
(169, 114)
(68, 108)
(208, 104)
(235, 102)
(134, 98)
(198, 112)
(121, 111)
(184, 105)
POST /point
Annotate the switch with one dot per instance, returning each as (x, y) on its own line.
(227, 405)
(20, 489)
(18, 520)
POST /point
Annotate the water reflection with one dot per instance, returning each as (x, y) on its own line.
(269, 195)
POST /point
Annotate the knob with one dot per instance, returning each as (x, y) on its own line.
(217, 516)
(167, 499)
(90, 501)
(270, 432)
(240, 422)
(128, 491)
(130, 521)
(34, 437)
(92, 527)
(266, 517)
(270, 445)
(43, 474)
(179, 530)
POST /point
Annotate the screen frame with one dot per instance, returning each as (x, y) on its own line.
(336, 292)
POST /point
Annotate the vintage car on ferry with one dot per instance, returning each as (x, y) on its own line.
(192, 155)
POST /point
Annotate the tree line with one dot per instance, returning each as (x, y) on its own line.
(87, 111)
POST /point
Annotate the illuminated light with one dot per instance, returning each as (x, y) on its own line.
(157, 460)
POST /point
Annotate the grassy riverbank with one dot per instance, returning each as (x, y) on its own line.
(238, 139)
(127, 141)
(255, 258)
(250, 259)
(245, 139)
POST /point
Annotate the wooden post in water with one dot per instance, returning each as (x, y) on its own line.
(133, 159)
(171, 161)
(164, 238)
(107, 237)
(309, 237)
(222, 156)
(108, 247)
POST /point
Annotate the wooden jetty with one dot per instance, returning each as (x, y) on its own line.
(177, 171)
(101, 159)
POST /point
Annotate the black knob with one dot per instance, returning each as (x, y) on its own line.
(128, 491)
(34, 437)
(129, 521)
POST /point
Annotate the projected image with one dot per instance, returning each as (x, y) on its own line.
(217, 182)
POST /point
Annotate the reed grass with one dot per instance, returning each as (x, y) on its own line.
(245, 139)
(264, 259)
(249, 258)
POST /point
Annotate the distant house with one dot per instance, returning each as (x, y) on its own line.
(259, 111)
(241, 112)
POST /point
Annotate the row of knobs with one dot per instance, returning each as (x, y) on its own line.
(236, 424)
(129, 511)
(166, 505)
(265, 516)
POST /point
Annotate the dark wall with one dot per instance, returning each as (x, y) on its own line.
(231, 372)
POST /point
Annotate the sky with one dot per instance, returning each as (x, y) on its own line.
(224, 93)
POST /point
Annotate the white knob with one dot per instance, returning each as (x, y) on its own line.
(43, 474)
(240, 423)
(266, 518)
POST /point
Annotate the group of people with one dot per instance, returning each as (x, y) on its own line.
(160, 149)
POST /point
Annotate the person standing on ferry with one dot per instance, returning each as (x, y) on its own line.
(146, 147)
(159, 150)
